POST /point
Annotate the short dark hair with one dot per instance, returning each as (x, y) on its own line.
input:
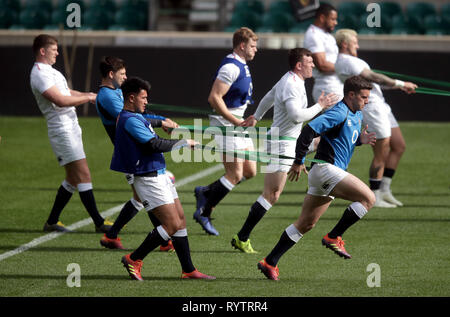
(296, 55)
(134, 85)
(42, 41)
(110, 64)
(324, 9)
(355, 84)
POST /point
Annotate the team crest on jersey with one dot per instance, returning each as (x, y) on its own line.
(349, 122)
(247, 71)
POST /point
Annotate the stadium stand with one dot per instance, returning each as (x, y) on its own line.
(264, 16)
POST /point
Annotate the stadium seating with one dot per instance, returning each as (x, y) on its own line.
(255, 6)
(282, 6)
(249, 19)
(10, 4)
(277, 21)
(130, 18)
(32, 19)
(140, 5)
(62, 5)
(352, 7)
(41, 5)
(390, 8)
(103, 5)
(301, 27)
(96, 18)
(8, 17)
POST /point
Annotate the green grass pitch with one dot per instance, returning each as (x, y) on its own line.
(410, 244)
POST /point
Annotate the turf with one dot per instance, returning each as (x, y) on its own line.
(410, 244)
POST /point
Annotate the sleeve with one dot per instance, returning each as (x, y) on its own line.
(42, 81)
(304, 140)
(156, 123)
(346, 68)
(112, 104)
(153, 116)
(228, 73)
(298, 114)
(328, 120)
(265, 104)
(313, 43)
(138, 130)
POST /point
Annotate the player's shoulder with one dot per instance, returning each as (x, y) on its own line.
(339, 110)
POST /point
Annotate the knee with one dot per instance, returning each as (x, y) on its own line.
(400, 148)
(272, 197)
(235, 177)
(369, 200)
(173, 227)
(249, 174)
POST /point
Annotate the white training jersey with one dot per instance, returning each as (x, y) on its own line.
(43, 77)
(289, 101)
(317, 40)
(348, 65)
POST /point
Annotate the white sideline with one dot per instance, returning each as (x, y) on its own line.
(53, 235)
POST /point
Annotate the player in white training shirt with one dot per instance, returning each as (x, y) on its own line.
(288, 98)
(322, 44)
(378, 115)
(57, 103)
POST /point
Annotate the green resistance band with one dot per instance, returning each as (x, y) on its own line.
(257, 156)
(184, 109)
(414, 78)
(432, 91)
(246, 132)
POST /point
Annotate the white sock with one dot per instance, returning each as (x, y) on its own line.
(68, 187)
(180, 233)
(83, 187)
(163, 233)
(263, 202)
(386, 184)
(293, 233)
(358, 209)
(225, 182)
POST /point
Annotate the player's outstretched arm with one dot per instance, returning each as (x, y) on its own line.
(54, 95)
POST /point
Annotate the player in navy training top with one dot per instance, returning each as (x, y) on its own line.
(109, 104)
(138, 151)
(340, 131)
(229, 96)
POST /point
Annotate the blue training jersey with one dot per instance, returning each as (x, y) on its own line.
(240, 92)
(340, 130)
(109, 104)
(130, 156)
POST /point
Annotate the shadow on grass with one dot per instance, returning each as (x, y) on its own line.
(63, 249)
(64, 277)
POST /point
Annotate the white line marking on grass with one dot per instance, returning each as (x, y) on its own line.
(53, 235)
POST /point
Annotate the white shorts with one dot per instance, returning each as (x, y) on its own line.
(229, 143)
(155, 191)
(323, 177)
(282, 147)
(67, 143)
(380, 119)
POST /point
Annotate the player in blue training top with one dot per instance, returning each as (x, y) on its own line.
(109, 104)
(229, 96)
(340, 131)
(138, 151)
